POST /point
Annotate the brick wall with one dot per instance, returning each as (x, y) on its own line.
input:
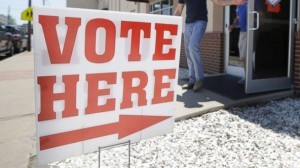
(183, 61)
(297, 65)
(212, 48)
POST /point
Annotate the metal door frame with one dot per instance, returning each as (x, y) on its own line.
(261, 85)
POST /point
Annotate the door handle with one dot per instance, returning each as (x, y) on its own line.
(257, 20)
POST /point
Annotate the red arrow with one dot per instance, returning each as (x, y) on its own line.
(128, 124)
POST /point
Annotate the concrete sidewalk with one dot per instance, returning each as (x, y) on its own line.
(17, 118)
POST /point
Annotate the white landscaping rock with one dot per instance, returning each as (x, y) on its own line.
(263, 136)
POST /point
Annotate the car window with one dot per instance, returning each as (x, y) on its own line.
(10, 29)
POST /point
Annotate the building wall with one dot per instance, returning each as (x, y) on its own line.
(103, 4)
(215, 16)
(296, 79)
(212, 45)
(297, 57)
(215, 12)
(126, 6)
(212, 49)
(297, 65)
(3, 19)
(113, 5)
(88, 4)
(298, 14)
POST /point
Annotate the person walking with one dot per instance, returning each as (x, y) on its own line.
(241, 22)
(195, 26)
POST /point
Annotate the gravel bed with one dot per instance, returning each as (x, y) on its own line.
(258, 136)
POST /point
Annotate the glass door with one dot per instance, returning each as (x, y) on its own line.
(269, 45)
(233, 64)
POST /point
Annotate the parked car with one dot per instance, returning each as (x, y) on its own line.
(19, 38)
(6, 42)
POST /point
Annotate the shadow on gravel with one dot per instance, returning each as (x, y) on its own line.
(281, 116)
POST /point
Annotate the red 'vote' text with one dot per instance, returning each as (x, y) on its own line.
(49, 24)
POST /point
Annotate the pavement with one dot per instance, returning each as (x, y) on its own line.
(17, 114)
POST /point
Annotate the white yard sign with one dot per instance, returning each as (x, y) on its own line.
(102, 78)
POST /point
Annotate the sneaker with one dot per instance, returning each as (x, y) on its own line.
(188, 86)
(242, 81)
(198, 85)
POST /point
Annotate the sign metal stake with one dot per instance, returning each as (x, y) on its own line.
(111, 147)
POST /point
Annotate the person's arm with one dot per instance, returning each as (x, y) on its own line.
(228, 2)
(179, 9)
(234, 24)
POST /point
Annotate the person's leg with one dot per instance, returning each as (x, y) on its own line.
(243, 52)
(198, 31)
(187, 38)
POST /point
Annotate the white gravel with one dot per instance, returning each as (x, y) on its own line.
(258, 136)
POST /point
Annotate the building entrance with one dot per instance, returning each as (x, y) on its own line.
(270, 30)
